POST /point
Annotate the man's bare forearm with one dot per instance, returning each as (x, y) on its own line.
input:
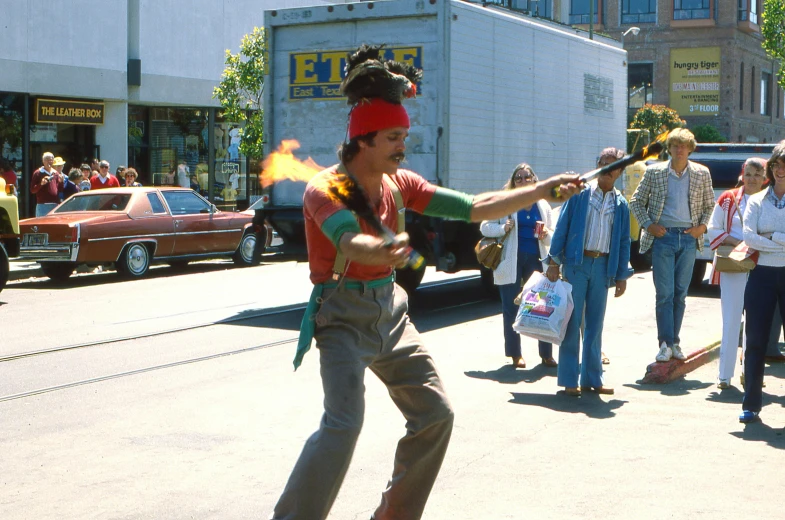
(497, 204)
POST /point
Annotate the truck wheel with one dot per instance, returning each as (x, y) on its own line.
(243, 257)
(5, 268)
(134, 261)
(409, 279)
(57, 271)
(698, 272)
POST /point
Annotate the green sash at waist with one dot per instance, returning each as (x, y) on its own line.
(308, 325)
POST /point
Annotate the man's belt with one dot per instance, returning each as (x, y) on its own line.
(593, 254)
(307, 326)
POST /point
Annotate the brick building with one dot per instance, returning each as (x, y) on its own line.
(701, 57)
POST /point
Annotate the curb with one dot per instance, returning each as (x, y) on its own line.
(23, 274)
(660, 373)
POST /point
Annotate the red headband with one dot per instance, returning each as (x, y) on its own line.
(376, 114)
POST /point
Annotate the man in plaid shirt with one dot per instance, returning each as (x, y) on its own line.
(673, 204)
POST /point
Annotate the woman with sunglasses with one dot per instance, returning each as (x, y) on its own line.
(764, 231)
(521, 256)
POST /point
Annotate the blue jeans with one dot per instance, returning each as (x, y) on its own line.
(672, 259)
(765, 289)
(589, 292)
(44, 208)
(528, 263)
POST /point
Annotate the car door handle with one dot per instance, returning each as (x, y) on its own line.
(177, 222)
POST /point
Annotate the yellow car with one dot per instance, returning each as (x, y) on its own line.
(9, 230)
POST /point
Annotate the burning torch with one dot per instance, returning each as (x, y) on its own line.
(647, 152)
(348, 191)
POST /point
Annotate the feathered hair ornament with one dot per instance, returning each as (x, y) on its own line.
(375, 88)
(368, 75)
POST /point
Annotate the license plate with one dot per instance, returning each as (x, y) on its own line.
(37, 239)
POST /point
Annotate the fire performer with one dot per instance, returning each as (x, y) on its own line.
(358, 315)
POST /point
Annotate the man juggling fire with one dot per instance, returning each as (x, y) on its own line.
(357, 314)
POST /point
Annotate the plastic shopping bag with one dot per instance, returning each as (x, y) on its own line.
(545, 309)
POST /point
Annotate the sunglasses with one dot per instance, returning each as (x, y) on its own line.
(523, 177)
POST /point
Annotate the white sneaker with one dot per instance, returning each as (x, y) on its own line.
(664, 354)
(678, 354)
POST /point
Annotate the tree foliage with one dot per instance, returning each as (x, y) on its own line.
(241, 90)
(707, 134)
(656, 119)
(773, 31)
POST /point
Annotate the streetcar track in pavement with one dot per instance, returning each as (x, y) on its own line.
(120, 339)
(225, 321)
(208, 357)
(54, 388)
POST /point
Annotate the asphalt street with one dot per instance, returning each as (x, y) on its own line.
(212, 430)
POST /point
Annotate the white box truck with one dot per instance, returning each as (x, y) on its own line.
(499, 88)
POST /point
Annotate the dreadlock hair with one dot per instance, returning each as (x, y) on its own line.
(348, 150)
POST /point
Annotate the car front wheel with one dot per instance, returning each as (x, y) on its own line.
(243, 257)
(134, 261)
(57, 271)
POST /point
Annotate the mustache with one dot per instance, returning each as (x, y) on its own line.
(400, 157)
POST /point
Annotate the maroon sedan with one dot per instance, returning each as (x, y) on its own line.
(133, 227)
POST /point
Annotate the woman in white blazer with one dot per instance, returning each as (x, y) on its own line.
(522, 254)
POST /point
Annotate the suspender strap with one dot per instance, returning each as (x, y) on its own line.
(339, 266)
(399, 207)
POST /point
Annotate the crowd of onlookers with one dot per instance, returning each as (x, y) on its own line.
(588, 245)
(51, 185)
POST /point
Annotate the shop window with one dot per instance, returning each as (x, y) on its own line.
(691, 9)
(748, 11)
(638, 11)
(640, 77)
(579, 11)
(178, 146)
(236, 182)
(139, 143)
(765, 93)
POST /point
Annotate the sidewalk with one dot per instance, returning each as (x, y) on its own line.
(23, 269)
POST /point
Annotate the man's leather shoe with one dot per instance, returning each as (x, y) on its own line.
(776, 358)
(603, 390)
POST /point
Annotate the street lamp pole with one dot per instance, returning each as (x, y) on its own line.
(633, 30)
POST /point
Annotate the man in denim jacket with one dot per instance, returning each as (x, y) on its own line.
(592, 243)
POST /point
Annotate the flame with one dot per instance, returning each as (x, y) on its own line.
(282, 164)
(342, 188)
(654, 149)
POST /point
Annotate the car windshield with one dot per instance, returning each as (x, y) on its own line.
(95, 202)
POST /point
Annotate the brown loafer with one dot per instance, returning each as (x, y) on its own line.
(776, 358)
(549, 362)
(518, 362)
(572, 392)
(604, 390)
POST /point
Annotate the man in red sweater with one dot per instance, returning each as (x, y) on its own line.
(104, 179)
(46, 184)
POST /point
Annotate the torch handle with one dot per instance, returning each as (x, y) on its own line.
(590, 176)
(414, 259)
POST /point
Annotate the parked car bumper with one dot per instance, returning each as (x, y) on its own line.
(51, 252)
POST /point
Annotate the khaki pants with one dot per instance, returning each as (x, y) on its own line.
(358, 329)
